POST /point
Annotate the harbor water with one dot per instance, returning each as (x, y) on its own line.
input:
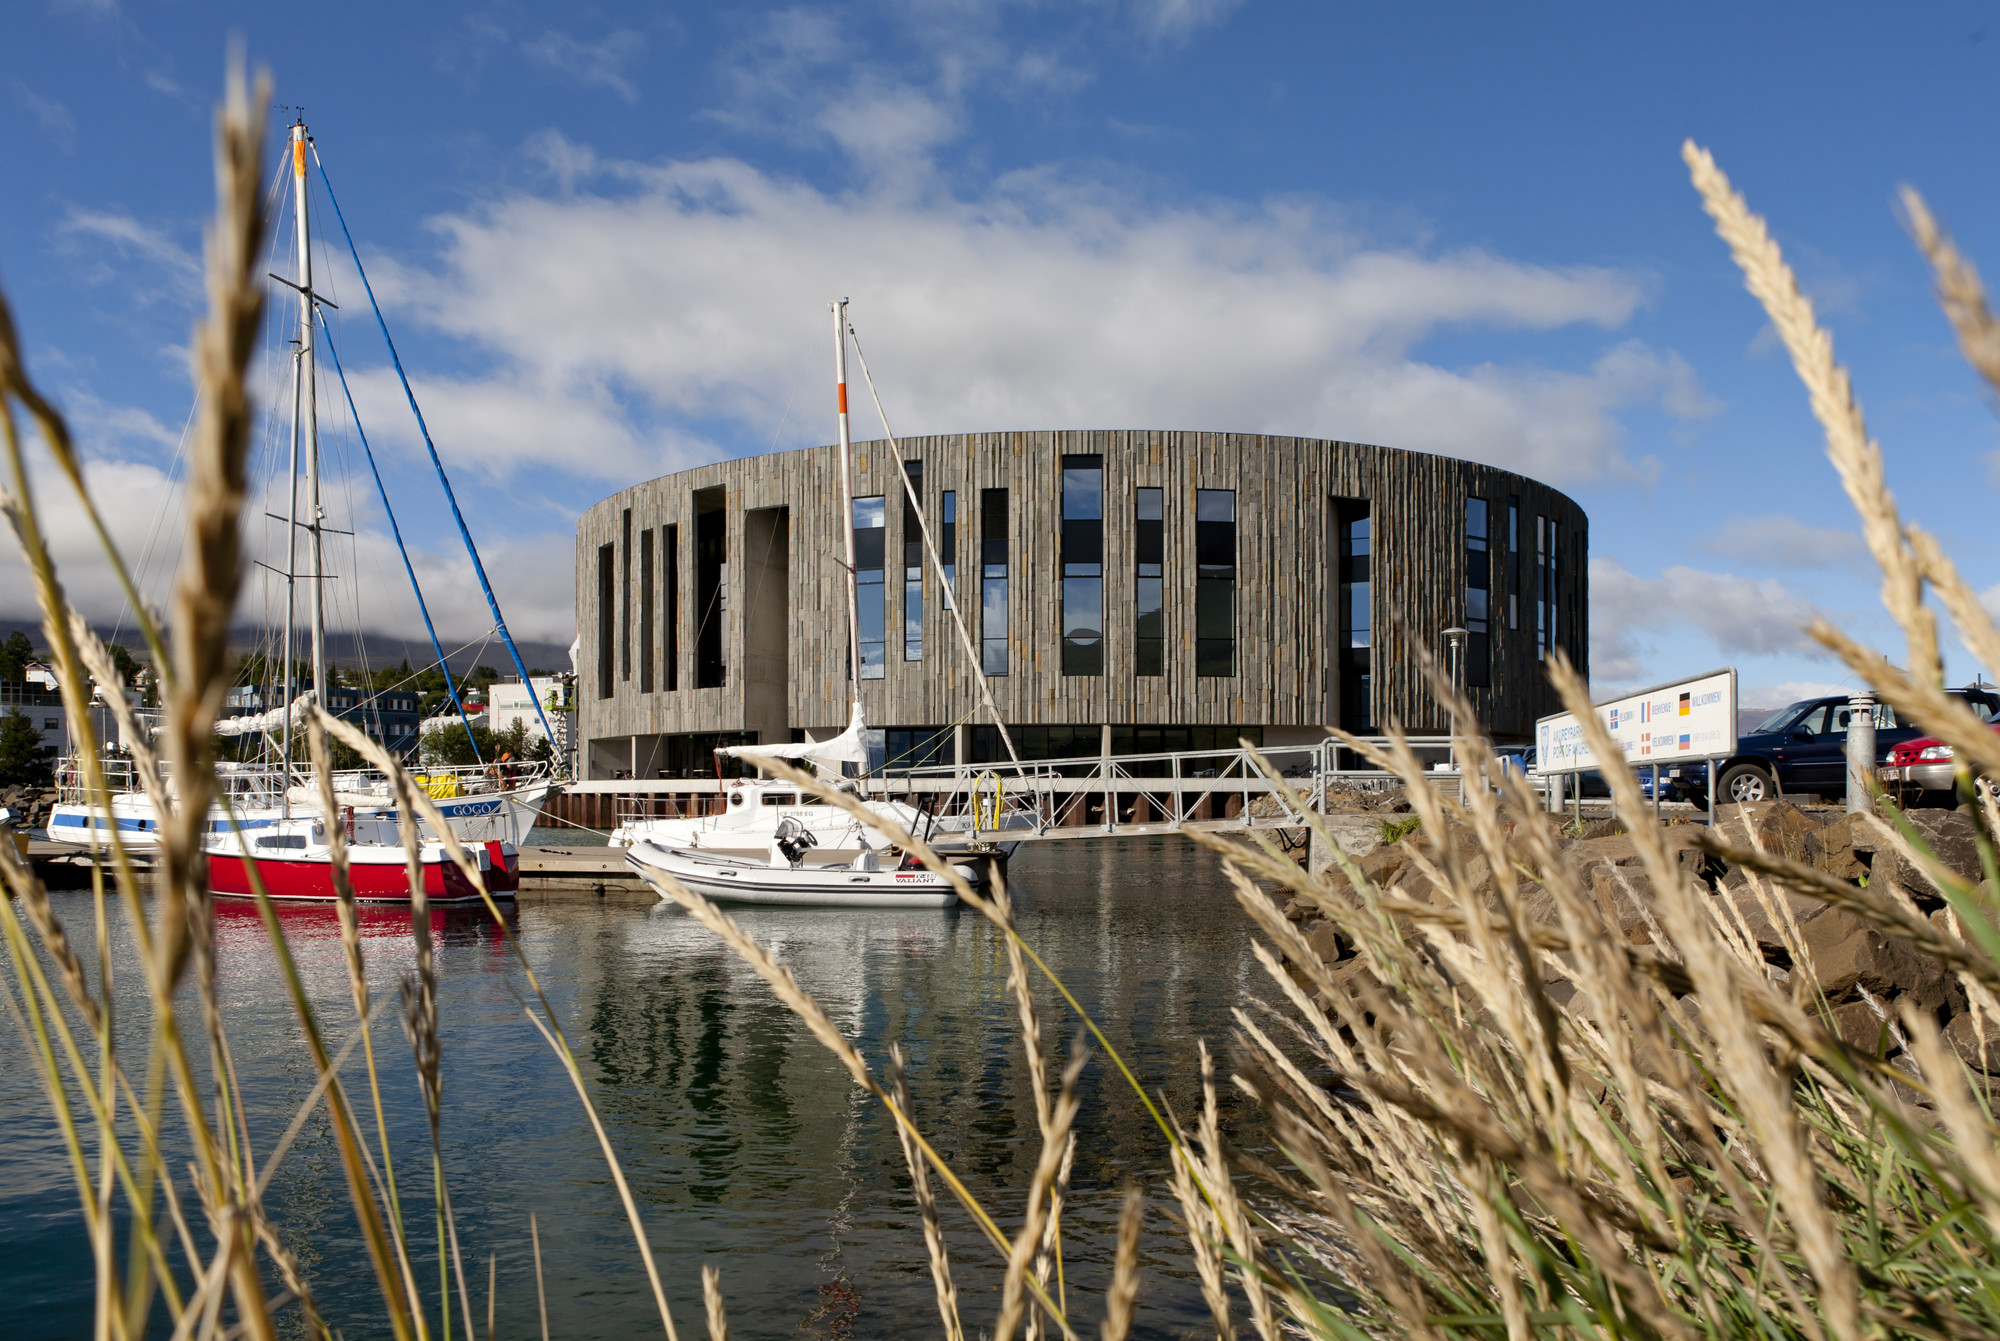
(747, 1147)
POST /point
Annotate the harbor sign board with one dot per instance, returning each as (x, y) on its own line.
(1682, 722)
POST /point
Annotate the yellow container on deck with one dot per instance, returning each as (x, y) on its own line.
(441, 789)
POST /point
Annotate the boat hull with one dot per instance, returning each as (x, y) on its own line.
(723, 881)
(477, 817)
(308, 876)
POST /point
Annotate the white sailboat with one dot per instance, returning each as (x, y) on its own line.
(785, 875)
(485, 803)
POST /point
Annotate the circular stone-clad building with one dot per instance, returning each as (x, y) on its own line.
(1124, 590)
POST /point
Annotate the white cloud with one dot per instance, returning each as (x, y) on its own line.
(55, 119)
(602, 64)
(494, 427)
(1775, 540)
(1178, 20)
(135, 499)
(98, 423)
(695, 292)
(1773, 696)
(91, 234)
(1738, 616)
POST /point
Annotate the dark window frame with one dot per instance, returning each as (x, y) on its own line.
(994, 649)
(1082, 558)
(1149, 586)
(607, 614)
(646, 611)
(871, 593)
(1215, 544)
(1356, 637)
(671, 655)
(625, 597)
(1478, 667)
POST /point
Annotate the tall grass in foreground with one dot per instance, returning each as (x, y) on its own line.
(1680, 1146)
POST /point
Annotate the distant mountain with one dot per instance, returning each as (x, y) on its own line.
(346, 649)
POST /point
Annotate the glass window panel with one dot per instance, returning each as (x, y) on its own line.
(871, 595)
(1083, 626)
(993, 625)
(1151, 628)
(1083, 488)
(1149, 646)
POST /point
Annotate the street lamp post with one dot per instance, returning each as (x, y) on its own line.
(1454, 638)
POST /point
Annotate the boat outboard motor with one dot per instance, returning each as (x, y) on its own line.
(793, 839)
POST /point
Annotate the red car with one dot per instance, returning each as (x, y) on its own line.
(1925, 762)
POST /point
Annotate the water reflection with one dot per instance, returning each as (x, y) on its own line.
(744, 1140)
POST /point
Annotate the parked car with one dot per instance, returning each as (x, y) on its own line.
(1803, 748)
(1521, 759)
(1926, 764)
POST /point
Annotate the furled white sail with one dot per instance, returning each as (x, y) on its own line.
(846, 748)
(274, 720)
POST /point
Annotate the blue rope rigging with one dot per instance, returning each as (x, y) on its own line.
(397, 531)
(492, 603)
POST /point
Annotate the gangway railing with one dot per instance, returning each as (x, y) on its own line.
(1003, 802)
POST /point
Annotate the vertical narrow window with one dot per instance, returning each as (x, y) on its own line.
(1541, 588)
(948, 544)
(1215, 582)
(607, 618)
(1083, 565)
(646, 611)
(993, 581)
(671, 542)
(1357, 619)
(1513, 561)
(625, 599)
(913, 567)
(1478, 588)
(1149, 542)
(711, 588)
(870, 553)
(1555, 624)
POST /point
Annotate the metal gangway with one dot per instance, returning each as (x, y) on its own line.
(1139, 795)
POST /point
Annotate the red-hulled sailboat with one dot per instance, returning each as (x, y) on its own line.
(293, 855)
(295, 860)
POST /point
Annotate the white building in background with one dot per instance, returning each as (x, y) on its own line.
(511, 701)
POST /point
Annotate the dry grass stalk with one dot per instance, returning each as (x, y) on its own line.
(1016, 1284)
(541, 1291)
(1124, 1293)
(801, 1003)
(920, 1190)
(1855, 456)
(414, 805)
(711, 1298)
(1960, 293)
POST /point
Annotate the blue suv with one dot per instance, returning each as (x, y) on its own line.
(1803, 748)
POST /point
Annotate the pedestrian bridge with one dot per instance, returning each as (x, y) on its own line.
(1091, 796)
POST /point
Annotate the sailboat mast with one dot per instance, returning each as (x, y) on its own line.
(285, 649)
(847, 495)
(309, 418)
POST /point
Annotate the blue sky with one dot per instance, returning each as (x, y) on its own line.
(605, 235)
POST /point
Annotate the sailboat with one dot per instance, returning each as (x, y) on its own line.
(482, 803)
(786, 875)
(294, 854)
(754, 809)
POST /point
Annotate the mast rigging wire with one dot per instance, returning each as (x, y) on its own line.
(397, 532)
(478, 568)
(924, 525)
